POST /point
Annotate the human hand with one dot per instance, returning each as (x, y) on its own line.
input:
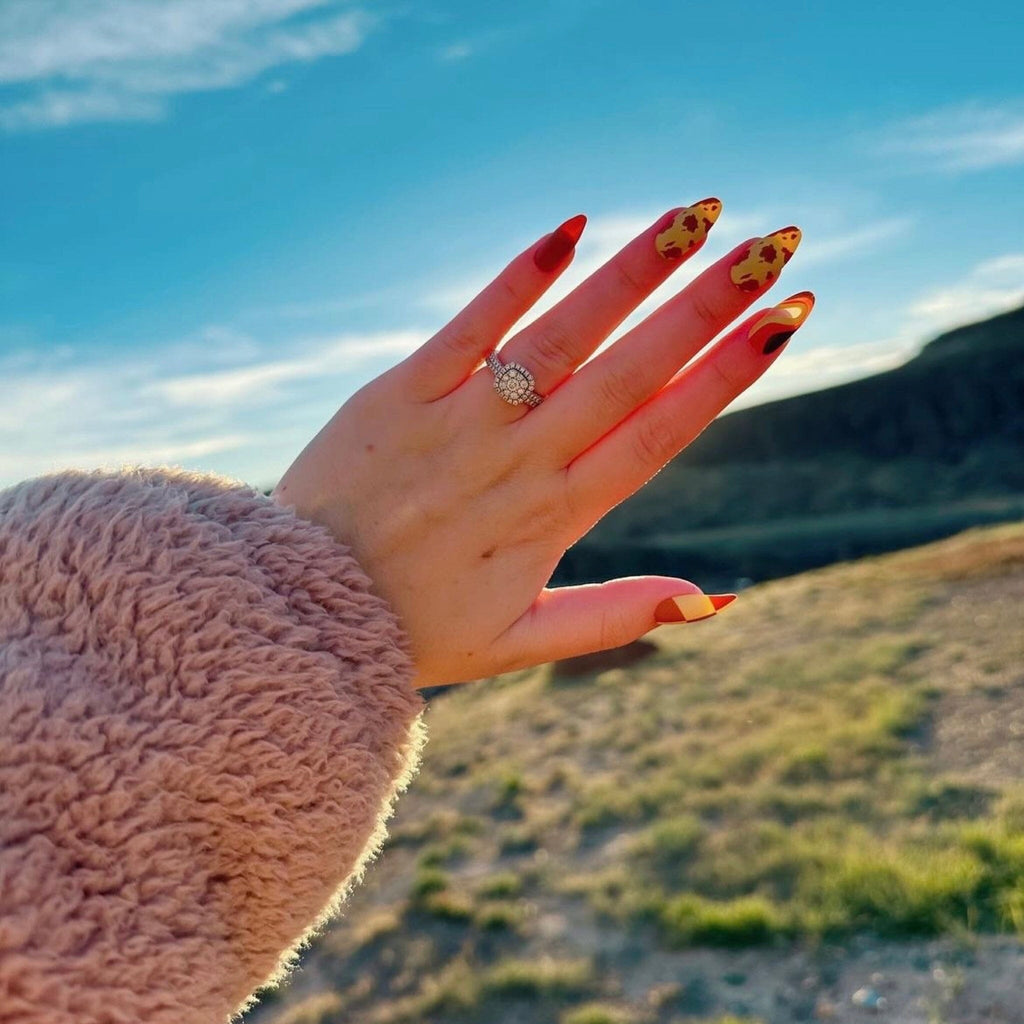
(459, 505)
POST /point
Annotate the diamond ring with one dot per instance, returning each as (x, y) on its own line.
(513, 382)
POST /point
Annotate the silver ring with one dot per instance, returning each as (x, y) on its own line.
(513, 382)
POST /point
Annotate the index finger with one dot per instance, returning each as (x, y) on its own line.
(441, 364)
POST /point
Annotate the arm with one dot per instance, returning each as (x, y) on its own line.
(205, 715)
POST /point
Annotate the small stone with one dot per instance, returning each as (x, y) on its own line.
(868, 998)
(824, 1009)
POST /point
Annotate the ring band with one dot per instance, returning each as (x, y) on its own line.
(513, 382)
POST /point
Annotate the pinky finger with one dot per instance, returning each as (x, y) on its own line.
(628, 456)
(441, 364)
(569, 621)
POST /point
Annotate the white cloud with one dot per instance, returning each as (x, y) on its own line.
(993, 286)
(241, 401)
(966, 137)
(259, 381)
(66, 61)
(797, 372)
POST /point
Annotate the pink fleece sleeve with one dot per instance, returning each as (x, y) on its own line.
(205, 717)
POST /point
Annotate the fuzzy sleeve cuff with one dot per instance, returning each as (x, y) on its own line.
(205, 717)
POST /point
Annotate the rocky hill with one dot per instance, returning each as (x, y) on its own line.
(898, 458)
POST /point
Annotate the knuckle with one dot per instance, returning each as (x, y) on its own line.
(627, 280)
(612, 630)
(621, 387)
(462, 341)
(727, 375)
(548, 520)
(706, 313)
(554, 348)
(511, 293)
(654, 442)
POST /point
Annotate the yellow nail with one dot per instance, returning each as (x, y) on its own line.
(691, 607)
(687, 229)
(763, 261)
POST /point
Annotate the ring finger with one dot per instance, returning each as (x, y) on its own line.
(555, 344)
(611, 470)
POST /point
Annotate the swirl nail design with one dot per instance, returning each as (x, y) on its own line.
(770, 332)
(687, 229)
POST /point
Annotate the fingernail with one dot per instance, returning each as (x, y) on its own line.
(764, 260)
(691, 607)
(683, 231)
(560, 243)
(778, 325)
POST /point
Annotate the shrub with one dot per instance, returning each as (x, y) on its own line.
(689, 919)
(669, 842)
(598, 1013)
(539, 978)
(449, 906)
(496, 917)
(428, 881)
(498, 886)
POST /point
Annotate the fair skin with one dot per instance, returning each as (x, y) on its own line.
(459, 505)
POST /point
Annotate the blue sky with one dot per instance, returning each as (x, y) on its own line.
(219, 218)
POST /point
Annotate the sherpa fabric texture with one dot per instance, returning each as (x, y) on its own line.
(205, 717)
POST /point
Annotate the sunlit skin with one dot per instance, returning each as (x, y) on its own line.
(459, 505)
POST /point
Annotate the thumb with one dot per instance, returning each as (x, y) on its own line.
(570, 621)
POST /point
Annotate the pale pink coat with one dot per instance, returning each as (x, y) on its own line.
(205, 717)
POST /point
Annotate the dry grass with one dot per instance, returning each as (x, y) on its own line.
(778, 774)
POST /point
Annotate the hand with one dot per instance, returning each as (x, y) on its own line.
(459, 505)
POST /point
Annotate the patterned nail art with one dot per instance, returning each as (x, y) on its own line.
(687, 229)
(691, 607)
(778, 325)
(764, 260)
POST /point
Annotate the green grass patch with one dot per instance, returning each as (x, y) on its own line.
(538, 979)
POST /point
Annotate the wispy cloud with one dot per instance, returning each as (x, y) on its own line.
(966, 137)
(824, 366)
(455, 51)
(241, 402)
(993, 286)
(68, 61)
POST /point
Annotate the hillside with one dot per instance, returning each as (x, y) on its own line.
(817, 793)
(899, 458)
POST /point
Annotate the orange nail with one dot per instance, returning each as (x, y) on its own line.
(770, 332)
(691, 607)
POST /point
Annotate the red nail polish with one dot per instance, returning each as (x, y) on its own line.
(560, 243)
